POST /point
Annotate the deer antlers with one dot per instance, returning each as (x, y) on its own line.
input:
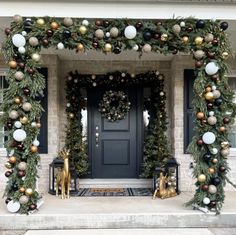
(64, 153)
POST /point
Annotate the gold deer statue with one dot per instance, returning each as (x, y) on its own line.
(163, 191)
(63, 176)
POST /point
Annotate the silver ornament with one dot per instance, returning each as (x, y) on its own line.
(27, 106)
(212, 189)
(198, 54)
(33, 41)
(19, 76)
(22, 166)
(209, 37)
(99, 33)
(114, 32)
(212, 120)
(23, 199)
(67, 21)
(216, 94)
(176, 28)
(13, 114)
(147, 48)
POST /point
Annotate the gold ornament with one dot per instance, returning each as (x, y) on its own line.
(54, 25)
(225, 55)
(24, 120)
(164, 37)
(108, 47)
(185, 39)
(8, 165)
(209, 96)
(29, 191)
(211, 170)
(40, 21)
(201, 178)
(198, 40)
(200, 115)
(34, 149)
(222, 129)
(83, 30)
(17, 100)
(214, 160)
(80, 47)
(12, 159)
(22, 189)
(12, 64)
(208, 89)
(224, 145)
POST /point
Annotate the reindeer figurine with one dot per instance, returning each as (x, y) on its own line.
(63, 177)
(164, 192)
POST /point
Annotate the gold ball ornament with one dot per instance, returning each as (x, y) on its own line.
(224, 144)
(198, 40)
(29, 191)
(40, 21)
(201, 178)
(8, 165)
(24, 120)
(214, 160)
(185, 39)
(209, 96)
(12, 159)
(34, 149)
(22, 189)
(54, 25)
(83, 30)
(222, 129)
(164, 37)
(17, 100)
(108, 47)
(208, 89)
(200, 115)
(36, 57)
(80, 47)
(225, 55)
(12, 64)
(211, 170)
(224, 152)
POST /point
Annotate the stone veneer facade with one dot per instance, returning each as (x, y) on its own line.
(174, 84)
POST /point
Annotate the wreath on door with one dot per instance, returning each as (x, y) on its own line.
(114, 105)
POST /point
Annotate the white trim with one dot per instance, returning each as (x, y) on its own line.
(3, 71)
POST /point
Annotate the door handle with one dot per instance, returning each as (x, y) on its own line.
(97, 137)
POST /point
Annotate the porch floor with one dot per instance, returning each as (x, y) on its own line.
(119, 212)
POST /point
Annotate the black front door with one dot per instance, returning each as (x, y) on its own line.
(113, 145)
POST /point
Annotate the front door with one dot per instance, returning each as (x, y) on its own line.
(113, 145)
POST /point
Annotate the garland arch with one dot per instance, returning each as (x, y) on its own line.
(205, 39)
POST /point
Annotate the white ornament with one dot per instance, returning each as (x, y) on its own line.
(147, 48)
(68, 105)
(108, 34)
(182, 24)
(19, 135)
(23, 199)
(33, 124)
(21, 50)
(17, 124)
(13, 114)
(22, 166)
(36, 57)
(18, 40)
(27, 106)
(206, 200)
(211, 113)
(36, 142)
(209, 138)
(211, 68)
(60, 46)
(13, 206)
(123, 75)
(135, 47)
(93, 76)
(12, 152)
(212, 189)
(85, 23)
(214, 151)
(157, 72)
(33, 41)
(24, 33)
(213, 88)
(162, 93)
(130, 32)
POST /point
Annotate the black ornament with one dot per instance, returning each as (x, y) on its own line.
(67, 33)
(21, 65)
(216, 181)
(8, 173)
(20, 146)
(27, 25)
(14, 187)
(8, 125)
(226, 120)
(106, 23)
(218, 101)
(49, 32)
(45, 42)
(138, 25)
(147, 35)
(7, 200)
(224, 25)
(117, 50)
(212, 204)
(32, 206)
(210, 106)
(189, 29)
(26, 91)
(30, 71)
(200, 24)
(207, 157)
(222, 169)
(214, 42)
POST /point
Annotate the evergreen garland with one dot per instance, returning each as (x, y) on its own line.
(205, 39)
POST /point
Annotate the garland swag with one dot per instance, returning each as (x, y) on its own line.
(205, 39)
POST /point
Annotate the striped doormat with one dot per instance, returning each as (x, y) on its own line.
(111, 192)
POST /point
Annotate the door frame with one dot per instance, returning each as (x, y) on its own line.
(139, 129)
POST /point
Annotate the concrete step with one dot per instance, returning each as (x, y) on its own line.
(115, 183)
(172, 231)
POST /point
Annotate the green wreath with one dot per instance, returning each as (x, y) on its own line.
(114, 105)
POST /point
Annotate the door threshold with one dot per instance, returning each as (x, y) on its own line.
(115, 183)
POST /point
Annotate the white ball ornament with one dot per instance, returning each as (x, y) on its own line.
(27, 106)
(13, 114)
(22, 166)
(212, 189)
(99, 33)
(211, 68)
(17, 124)
(147, 48)
(19, 135)
(23, 199)
(108, 34)
(17, 18)
(85, 23)
(21, 50)
(36, 57)
(216, 94)
(68, 21)
(36, 142)
(182, 24)
(60, 46)
(24, 33)
(135, 47)
(212, 120)
(176, 28)
(206, 200)
(34, 124)
(114, 32)
(213, 88)
(13, 207)
(209, 137)
(211, 113)
(214, 151)
(33, 41)
(19, 76)
(18, 40)
(198, 54)
(130, 32)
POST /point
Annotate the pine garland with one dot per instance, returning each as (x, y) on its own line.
(205, 39)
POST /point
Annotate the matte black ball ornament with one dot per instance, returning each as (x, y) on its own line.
(14, 187)
(147, 35)
(28, 24)
(224, 25)
(216, 181)
(117, 50)
(67, 33)
(218, 101)
(200, 24)
(207, 157)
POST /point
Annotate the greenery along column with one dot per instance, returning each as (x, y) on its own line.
(205, 39)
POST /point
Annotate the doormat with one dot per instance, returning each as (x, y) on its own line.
(111, 192)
